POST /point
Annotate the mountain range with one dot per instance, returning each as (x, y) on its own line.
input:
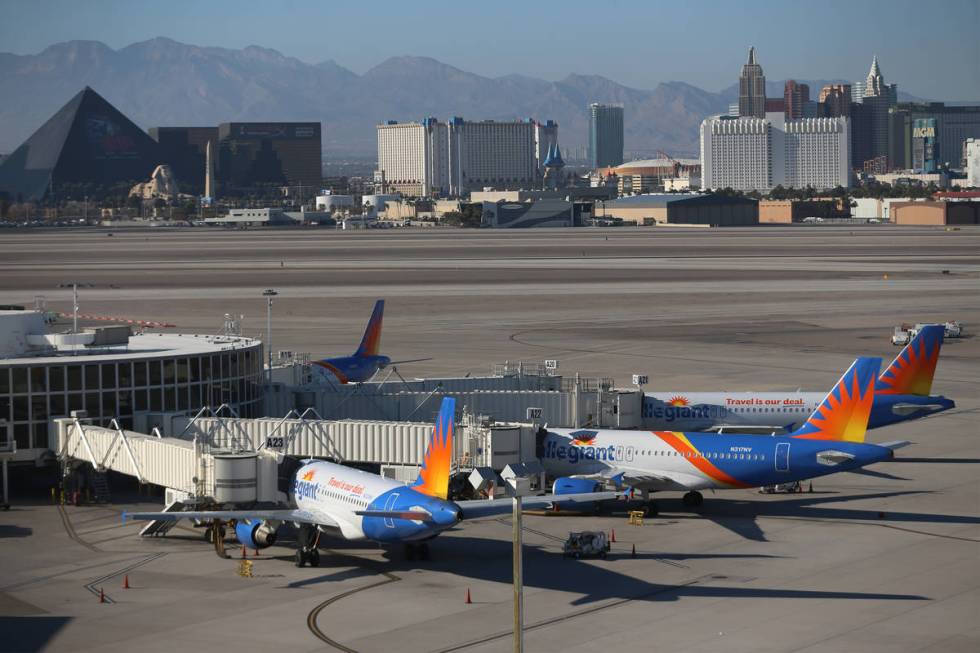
(161, 82)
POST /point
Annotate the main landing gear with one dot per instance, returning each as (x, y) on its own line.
(307, 552)
(693, 499)
(419, 550)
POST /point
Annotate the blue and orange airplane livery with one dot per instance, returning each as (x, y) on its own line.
(831, 440)
(902, 393)
(353, 504)
(367, 360)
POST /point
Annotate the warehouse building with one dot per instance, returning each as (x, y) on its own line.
(678, 209)
(789, 211)
(108, 373)
(936, 213)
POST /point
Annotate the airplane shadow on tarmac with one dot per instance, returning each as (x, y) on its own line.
(740, 516)
(32, 633)
(490, 560)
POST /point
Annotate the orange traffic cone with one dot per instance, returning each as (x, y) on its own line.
(101, 595)
(633, 552)
(468, 599)
(126, 582)
(612, 537)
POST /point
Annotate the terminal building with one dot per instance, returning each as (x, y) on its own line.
(105, 373)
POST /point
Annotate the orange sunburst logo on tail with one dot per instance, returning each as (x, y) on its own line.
(912, 371)
(308, 476)
(844, 413)
(434, 476)
(679, 400)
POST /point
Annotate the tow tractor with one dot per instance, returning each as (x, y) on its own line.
(588, 544)
(903, 334)
(782, 488)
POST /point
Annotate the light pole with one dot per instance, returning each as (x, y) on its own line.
(269, 293)
(74, 304)
(518, 562)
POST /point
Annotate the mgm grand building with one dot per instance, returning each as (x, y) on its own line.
(105, 373)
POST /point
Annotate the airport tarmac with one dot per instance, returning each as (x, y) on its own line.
(887, 560)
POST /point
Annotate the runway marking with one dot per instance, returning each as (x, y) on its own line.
(311, 619)
(871, 523)
(573, 615)
(96, 586)
(66, 522)
(42, 579)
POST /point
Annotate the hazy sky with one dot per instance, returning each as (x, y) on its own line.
(930, 49)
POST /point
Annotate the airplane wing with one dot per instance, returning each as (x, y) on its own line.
(895, 444)
(751, 429)
(644, 479)
(480, 508)
(286, 515)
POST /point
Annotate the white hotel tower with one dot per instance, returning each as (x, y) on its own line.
(455, 157)
(760, 153)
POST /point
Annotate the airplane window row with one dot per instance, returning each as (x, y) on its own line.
(713, 455)
(784, 409)
(346, 498)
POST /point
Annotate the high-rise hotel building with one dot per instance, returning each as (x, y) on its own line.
(752, 89)
(761, 153)
(455, 157)
(605, 135)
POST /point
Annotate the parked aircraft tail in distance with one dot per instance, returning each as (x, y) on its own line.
(912, 371)
(371, 342)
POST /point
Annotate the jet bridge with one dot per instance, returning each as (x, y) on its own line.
(192, 471)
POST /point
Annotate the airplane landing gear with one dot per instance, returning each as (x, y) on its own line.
(215, 533)
(693, 499)
(303, 557)
(307, 552)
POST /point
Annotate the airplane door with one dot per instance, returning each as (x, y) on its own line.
(389, 523)
(782, 457)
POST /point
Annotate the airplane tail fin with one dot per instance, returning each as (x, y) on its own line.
(371, 342)
(912, 370)
(844, 412)
(434, 476)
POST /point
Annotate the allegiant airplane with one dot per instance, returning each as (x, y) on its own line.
(831, 440)
(901, 394)
(366, 361)
(328, 498)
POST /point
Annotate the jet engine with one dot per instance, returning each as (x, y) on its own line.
(255, 534)
(567, 485)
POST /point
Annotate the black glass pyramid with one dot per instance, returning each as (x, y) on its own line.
(88, 145)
